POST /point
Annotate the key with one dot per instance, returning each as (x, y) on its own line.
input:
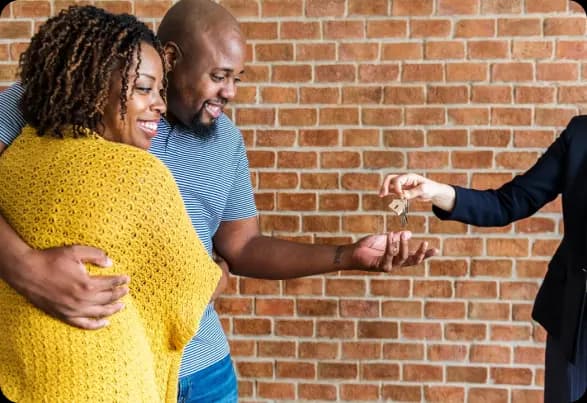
(400, 207)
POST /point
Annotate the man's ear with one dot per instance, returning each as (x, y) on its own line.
(172, 53)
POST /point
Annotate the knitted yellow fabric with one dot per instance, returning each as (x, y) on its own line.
(119, 198)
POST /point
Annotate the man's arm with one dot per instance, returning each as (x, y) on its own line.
(251, 254)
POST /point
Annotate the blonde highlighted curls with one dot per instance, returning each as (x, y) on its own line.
(67, 69)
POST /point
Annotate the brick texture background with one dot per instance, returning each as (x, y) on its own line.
(336, 94)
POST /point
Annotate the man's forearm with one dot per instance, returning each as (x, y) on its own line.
(13, 249)
(278, 259)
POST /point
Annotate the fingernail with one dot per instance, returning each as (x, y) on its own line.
(406, 235)
(108, 262)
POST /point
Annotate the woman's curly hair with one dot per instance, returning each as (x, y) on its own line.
(67, 69)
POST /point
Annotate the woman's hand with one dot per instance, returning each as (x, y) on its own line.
(412, 186)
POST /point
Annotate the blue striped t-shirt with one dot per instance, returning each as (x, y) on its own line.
(212, 173)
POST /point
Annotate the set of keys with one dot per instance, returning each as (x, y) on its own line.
(401, 207)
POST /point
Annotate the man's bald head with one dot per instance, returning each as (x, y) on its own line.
(188, 21)
(205, 50)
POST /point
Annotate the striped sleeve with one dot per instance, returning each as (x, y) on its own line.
(11, 118)
(241, 201)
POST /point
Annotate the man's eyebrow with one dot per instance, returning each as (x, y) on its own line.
(229, 70)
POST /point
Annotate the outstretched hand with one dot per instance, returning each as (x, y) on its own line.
(56, 281)
(382, 253)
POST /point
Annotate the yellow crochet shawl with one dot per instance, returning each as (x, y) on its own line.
(119, 198)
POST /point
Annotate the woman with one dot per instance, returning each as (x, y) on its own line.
(91, 76)
(560, 303)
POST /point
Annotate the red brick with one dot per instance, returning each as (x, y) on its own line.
(297, 328)
(511, 376)
(276, 348)
(444, 394)
(402, 51)
(447, 137)
(557, 71)
(487, 395)
(316, 307)
(362, 95)
(373, 7)
(275, 390)
(254, 369)
(274, 52)
(383, 159)
(444, 310)
(312, 391)
(447, 352)
(412, 7)
(319, 181)
(325, 8)
(317, 350)
(378, 73)
(471, 28)
(421, 331)
(360, 137)
(467, 71)
(282, 8)
(240, 8)
(15, 29)
(465, 331)
(425, 116)
(337, 370)
(335, 73)
(344, 29)
(422, 373)
(299, 30)
(304, 286)
(315, 51)
(386, 28)
(490, 354)
(252, 326)
(361, 350)
(354, 392)
(564, 26)
(319, 95)
(291, 74)
(339, 116)
(532, 49)
(151, 8)
(468, 374)
(519, 27)
(295, 370)
(429, 28)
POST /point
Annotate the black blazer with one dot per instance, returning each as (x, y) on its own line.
(561, 169)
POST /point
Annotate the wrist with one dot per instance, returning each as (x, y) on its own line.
(342, 257)
(445, 198)
(15, 260)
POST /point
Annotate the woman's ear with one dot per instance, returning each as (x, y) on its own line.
(172, 53)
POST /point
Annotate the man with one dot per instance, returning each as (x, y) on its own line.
(205, 152)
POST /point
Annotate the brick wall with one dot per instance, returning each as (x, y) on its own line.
(336, 94)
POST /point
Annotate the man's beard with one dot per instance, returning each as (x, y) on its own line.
(201, 129)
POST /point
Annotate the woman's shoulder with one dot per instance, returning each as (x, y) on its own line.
(86, 151)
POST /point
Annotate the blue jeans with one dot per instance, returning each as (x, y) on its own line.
(215, 384)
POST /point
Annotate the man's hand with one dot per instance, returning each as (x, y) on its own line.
(386, 251)
(56, 281)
